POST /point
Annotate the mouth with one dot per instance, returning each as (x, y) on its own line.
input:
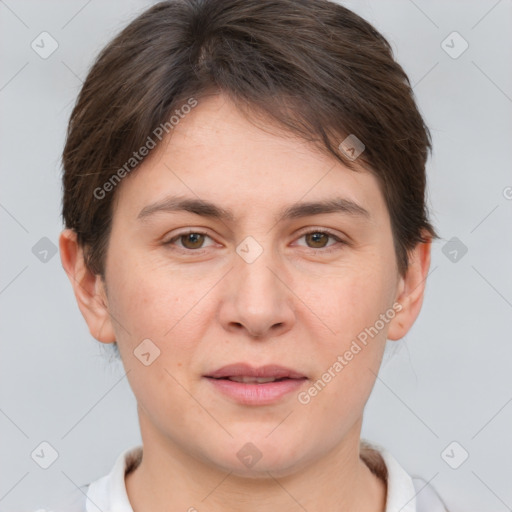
(267, 373)
(253, 380)
(256, 386)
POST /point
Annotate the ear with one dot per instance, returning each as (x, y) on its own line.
(410, 291)
(88, 287)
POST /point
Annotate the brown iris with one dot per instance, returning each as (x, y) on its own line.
(317, 237)
(192, 240)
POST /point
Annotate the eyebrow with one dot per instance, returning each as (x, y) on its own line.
(211, 210)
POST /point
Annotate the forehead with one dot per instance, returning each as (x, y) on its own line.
(218, 154)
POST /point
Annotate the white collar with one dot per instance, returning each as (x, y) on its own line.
(109, 492)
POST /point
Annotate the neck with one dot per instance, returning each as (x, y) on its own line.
(170, 478)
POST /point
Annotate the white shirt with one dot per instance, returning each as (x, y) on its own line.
(108, 494)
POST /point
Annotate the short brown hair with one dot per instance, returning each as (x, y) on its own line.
(313, 66)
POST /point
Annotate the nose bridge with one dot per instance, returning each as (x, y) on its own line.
(256, 282)
(258, 301)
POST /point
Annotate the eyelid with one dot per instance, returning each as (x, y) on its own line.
(318, 229)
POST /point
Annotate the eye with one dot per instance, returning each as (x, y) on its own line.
(318, 239)
(315, 239)
(191, 240)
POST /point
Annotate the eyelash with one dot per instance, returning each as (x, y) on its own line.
(327, 249)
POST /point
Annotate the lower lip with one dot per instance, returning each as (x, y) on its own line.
(256, 394)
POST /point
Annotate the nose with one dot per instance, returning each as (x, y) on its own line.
(257, 299)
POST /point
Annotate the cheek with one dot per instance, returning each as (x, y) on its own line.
(152, 301)
(143, 293)
(346, 304)
(349, 361)
(351, 350)
(150, 304)
(141, 305)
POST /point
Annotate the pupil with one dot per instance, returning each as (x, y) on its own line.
(193, 239)
(317, 238)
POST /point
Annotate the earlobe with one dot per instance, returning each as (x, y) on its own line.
(410, 291)
(89, 288)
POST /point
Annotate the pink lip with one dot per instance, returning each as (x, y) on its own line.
(256, 394)
(253, 393)
(246, 370)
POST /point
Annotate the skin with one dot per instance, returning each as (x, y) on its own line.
(298, 305)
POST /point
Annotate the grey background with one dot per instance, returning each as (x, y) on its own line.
(448, 380)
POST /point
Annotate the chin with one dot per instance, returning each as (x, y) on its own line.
(259, 457)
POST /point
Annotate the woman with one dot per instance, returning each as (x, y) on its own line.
(244, 204)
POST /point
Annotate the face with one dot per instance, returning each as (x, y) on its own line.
(256, 276)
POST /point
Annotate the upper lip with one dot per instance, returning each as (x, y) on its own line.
(246, 370)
